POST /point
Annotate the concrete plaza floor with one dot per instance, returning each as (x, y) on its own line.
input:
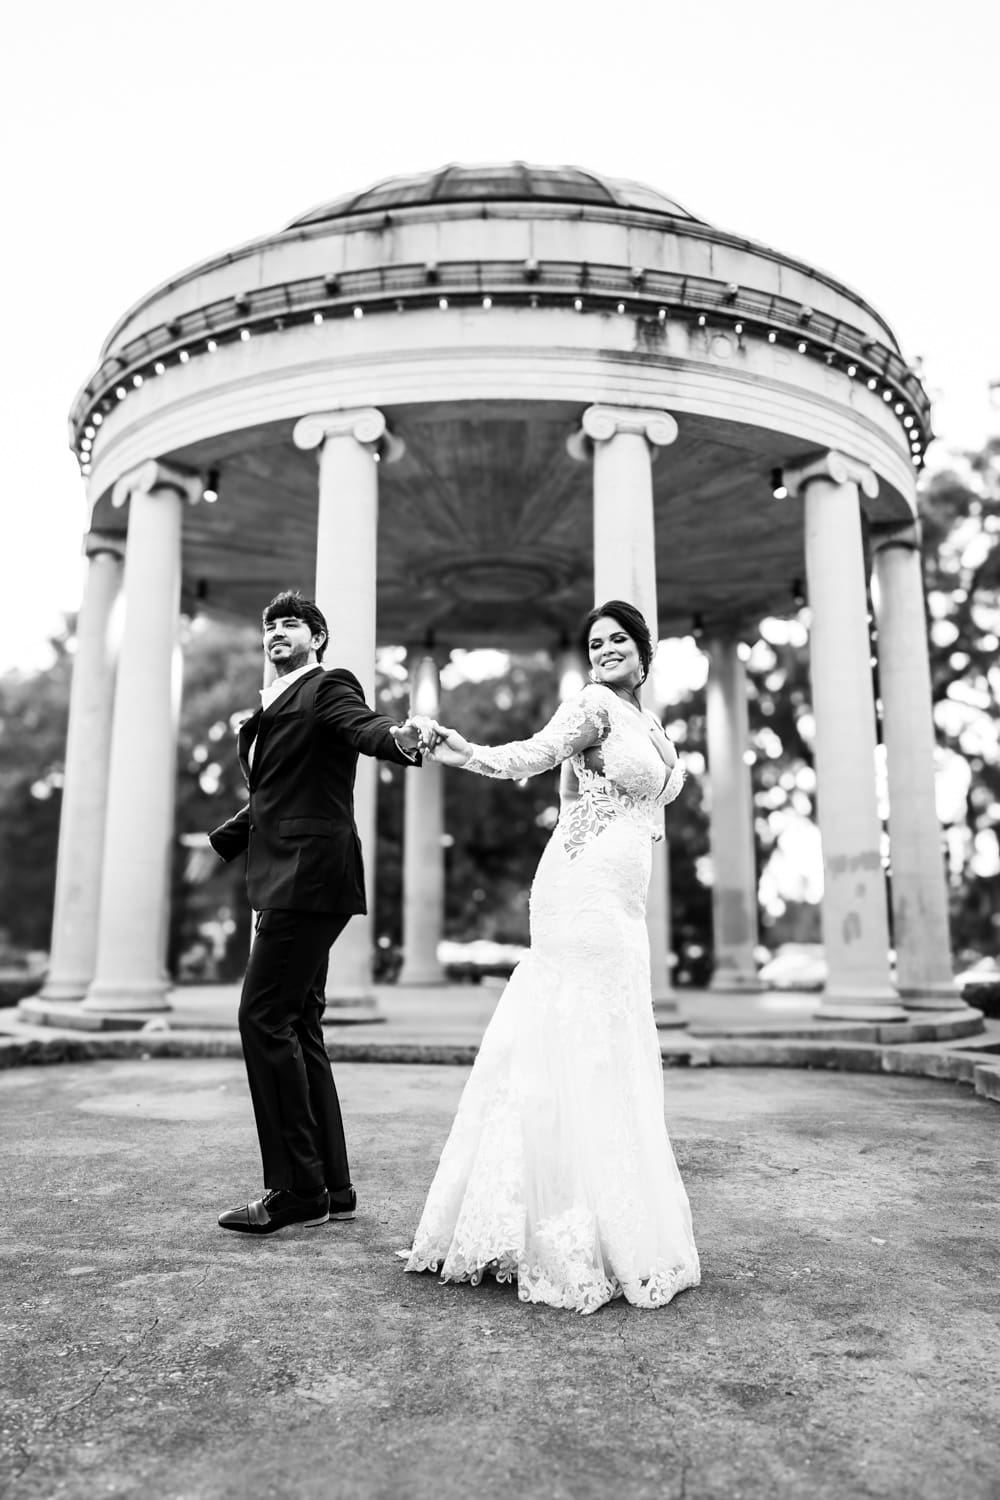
(845, 1340)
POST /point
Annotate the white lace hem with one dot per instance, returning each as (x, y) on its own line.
(586, 1296)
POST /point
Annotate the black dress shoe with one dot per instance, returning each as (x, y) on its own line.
(276, 1210)
(343, 1203)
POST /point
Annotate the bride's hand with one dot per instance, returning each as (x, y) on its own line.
(450, 748)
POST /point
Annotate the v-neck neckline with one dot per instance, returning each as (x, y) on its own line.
(647, 718)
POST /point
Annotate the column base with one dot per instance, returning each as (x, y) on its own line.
(108, 999)
(666, 1013)
(934, 997)
(64, 989)
(421, 975)
(734, 981)
(836, 1009)
(69, 1015)
(352, 997)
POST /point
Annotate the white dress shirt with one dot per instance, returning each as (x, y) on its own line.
(274, 690)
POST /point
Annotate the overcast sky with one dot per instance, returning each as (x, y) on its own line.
(860, 135)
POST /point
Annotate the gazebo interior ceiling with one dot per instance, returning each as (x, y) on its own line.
(485, 525)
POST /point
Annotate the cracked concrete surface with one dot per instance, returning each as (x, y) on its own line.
(844, 1341)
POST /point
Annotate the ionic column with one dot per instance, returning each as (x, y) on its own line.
(131, 943)
(423, 850)
(917, 886)
(734, 890)
(855, 910)
(623, 442)
(350, 444)
(85, 787)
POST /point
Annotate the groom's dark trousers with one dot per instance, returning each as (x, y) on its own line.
(305, 879)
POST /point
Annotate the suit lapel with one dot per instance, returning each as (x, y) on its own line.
(259, 725)
(245, 738)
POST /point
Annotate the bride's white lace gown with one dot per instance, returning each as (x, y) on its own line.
(558, 1170)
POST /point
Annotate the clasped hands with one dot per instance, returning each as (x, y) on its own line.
(421, 732)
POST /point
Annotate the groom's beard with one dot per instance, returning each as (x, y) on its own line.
(290, 661)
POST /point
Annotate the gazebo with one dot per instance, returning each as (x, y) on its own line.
(461, 405)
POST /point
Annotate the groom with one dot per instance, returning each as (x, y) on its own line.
(305, 879)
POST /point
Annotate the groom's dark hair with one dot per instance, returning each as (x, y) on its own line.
(290, 605)
(630, 620)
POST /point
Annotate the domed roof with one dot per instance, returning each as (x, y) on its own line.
(507, 182)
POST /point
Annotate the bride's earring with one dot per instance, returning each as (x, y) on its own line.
(592, 675)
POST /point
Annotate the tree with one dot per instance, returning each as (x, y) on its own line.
(34, 711)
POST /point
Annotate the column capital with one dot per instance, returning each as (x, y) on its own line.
(154, 475)
(366, 424)
(601, 423)
(835, 467)
(104, 543)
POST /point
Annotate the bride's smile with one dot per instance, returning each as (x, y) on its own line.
(614, 657)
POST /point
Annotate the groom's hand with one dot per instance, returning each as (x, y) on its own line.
(417, 733)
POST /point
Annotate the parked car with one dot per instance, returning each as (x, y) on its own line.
(795, 966)
(479, 959)
(21, 974)
(983, 971)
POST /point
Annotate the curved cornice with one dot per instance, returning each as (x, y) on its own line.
(650, 298)
(169, 417)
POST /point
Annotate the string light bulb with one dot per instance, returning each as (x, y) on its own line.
(211, 491)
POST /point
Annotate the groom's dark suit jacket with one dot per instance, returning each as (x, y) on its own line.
(298, 831)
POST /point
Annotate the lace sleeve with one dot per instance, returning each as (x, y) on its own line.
(573, 727)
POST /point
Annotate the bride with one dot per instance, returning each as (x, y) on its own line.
(558, 1169)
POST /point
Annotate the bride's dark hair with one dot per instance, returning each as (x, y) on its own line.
(630, 620)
